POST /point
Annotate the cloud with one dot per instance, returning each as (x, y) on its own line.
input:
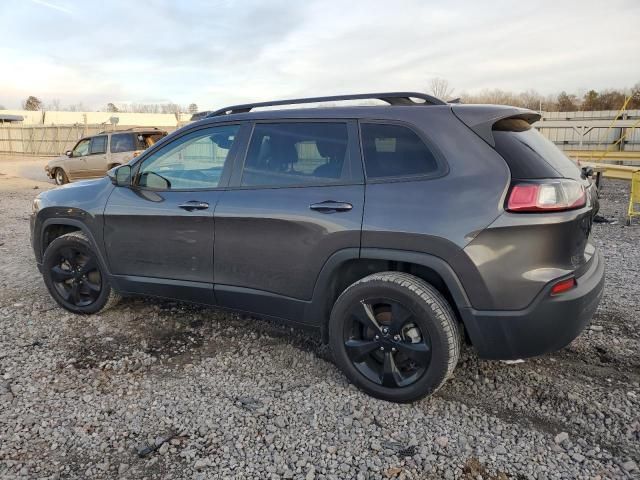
(216, 53)
(53, 6)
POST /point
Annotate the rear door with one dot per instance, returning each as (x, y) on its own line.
(159, 232)
(96, 161)
(121, 148)
(296, 199)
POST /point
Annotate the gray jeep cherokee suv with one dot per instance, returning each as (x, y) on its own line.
(396, 231)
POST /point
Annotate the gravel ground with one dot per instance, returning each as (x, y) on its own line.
(163, 390)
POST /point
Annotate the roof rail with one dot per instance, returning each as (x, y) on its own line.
(392, 98)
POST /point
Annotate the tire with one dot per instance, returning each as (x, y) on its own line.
(74, 277)
(59, 177)
(417, 344)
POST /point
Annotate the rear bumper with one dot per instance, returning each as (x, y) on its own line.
(548, 324)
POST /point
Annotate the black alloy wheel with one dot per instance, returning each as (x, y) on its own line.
(74, 276)
(394, 336)
(385, 344)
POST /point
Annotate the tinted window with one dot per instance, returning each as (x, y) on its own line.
(191, 162)
(122, 142)
(98, 144)
(528, 153)
(395, 151)
(296, 153)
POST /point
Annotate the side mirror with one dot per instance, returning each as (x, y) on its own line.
(120, 176)
(68, 153)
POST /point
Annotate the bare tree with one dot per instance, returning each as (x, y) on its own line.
(193, 108)
(76, 107)
(32, 103)
(440, 88)
(53, 105)
(112, 108)
(171, 108)
(566, 102)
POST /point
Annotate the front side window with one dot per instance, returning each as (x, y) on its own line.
(286, 154)
(395, 151)
(98, 145)
(194, 161)
(122, 142)
(82, 148)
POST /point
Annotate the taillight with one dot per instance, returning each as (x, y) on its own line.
(546, 196)
(563, 286)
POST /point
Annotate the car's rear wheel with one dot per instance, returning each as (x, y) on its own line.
(74, 277)
(60, 177)
(394, 336)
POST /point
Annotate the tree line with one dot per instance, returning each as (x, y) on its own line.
(33, 103)
(607, 99)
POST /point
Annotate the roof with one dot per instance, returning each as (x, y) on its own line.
(134, 130)
(392, 98)
(10, 118)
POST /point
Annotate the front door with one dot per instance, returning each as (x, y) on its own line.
(295, 200)
(76, 166)
(159, 232)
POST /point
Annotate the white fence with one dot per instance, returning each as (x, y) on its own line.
(571, 131)
(43, 140)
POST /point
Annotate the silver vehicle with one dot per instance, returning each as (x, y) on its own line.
(93, 156)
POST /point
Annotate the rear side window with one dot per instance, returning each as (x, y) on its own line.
(296, 153)
(395, 151)
(529, 154)
(145, 140)
(98, 145)
(122, 142)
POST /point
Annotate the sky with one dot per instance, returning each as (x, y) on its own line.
(217, 53)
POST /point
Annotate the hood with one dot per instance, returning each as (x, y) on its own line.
(58, 161)
(77, 194)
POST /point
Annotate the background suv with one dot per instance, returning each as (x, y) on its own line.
(396, 231)
(93, 156)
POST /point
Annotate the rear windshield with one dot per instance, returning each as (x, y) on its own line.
(529, 154)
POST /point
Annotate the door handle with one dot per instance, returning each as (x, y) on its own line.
(194, 205)
(329, 206)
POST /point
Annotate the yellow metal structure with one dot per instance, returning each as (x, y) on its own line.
(634, 197)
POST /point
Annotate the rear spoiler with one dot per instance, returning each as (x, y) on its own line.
(480, 118)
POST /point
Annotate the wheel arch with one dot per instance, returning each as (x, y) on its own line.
(60, 167)
(350, 265)
(53, 228)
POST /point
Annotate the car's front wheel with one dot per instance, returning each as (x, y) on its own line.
(394, 336)
(74, 277)
(60, 177)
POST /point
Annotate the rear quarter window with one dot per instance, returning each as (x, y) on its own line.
(529, 154)
(122, 142)
(395, 151)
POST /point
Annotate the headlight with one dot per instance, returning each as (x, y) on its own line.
(35, 206)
